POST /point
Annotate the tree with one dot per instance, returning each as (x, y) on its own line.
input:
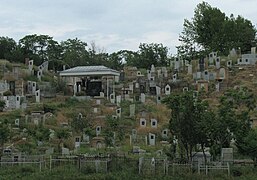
(74, 52)
(249, 145)
(61, 135)
(211, 30)
(7, 47)
(4, 134)
(188, 120)
(2, 105)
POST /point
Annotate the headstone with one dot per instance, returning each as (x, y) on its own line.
(206, 75)
(39, 75)
(149, 75)
(177, 63)
(17, 122)
(174, 77)
(165, 133)
(132, 109)
(98, 130)
(159, 73)
(142, 98)
(151, 138)
(185, 89)
(37, 93)
(118, 112)
(167, 89)
(201, 64)
(118, 100)
(101, 94)
(253, 50)
(198, 75)
(239, 61)
(142, 122)
(152, 69)
(217, 62)
(134, 134)
(77, 142)
(137, 85)
(131, 87)
(158, 90)
(222, 73)
(165, 72)
(229, 63)
(189, 69)
(95, 110)
(153, 123)
(30, 65)
(227, 154)
(34, 87)
(75, 89)
(79, 88)
(158, 99)
(112, 98)
(139, 73)
(98, 101)
(18, 102)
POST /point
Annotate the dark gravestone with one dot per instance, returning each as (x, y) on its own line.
(12, 87)
(201, 64)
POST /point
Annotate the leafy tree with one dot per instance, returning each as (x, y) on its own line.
(74, 52)
(4, 134)
(7, 47)
(211, 30)
(249, 145)
(188, 120)
(62, 134)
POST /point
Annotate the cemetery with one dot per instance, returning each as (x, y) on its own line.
(86, 116)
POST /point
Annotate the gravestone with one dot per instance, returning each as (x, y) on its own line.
(142, 122)
(30, 65)
(185, 89)
(159, 73)
(118, 100)
(101, 94)
(17, 122)
(18, 102)
(75, 89)
(158, 90)
(240, 61)
(77, 141)
(149, 75)
(222, 73)
(165, 133)
(227, 154)
(217, 62)
(131, 88)
(153, 123)
(98, 101)
(118, 112)
(158, 99)
(137, 85)
(201, 64)
(198, 75)
(98, 130)
(217, 87)
(212, 76)
(151, 138)
(112, 98)
(206, 75)
(132, 109)
(95, 109)
(165, 72)
(139, 73)
(177, 64)
(152, 69)
(142, 98)
(134, 133)
(37, 93)
(167, 89)
(229, 63)
(189, 69)
(34, 87)
(174, 77)
(39, 75)
(253, 50)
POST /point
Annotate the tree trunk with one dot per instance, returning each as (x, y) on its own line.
(204, 155)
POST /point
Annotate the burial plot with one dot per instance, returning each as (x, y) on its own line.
(153, 123)
(167, 89)
(142, 122)
(151, 138)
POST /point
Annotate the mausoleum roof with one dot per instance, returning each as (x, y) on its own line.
(90, 71)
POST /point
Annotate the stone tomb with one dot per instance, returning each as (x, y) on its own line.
(142, 122)
(167, 89)
(154, 123)
(151, 139)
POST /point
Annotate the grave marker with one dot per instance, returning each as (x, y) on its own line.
(151, 138)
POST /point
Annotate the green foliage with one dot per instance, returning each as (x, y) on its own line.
(2, 105)
(4, 133)
(211, 30)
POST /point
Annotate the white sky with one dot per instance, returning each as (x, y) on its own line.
(111, 24)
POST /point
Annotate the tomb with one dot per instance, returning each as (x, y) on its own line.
(165, 133)
(142, 122)
(98, 130)
(217, 62)
(153, 123)
(142, 98)
(151, 139)
(202, 85)
(167, 89)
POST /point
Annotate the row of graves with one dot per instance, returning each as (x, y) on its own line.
(16, 92)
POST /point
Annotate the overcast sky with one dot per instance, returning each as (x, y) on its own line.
(111, 24)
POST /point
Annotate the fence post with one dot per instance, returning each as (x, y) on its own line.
(199, 170)
(206, 170)
(228, 169)
(173, 169)
(50, 161)
(40, 166)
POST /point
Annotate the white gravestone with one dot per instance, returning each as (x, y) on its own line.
(37, 93)
(167, 89)
(142, 98)
(153, 123)
(142, 122)
(151, 139)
